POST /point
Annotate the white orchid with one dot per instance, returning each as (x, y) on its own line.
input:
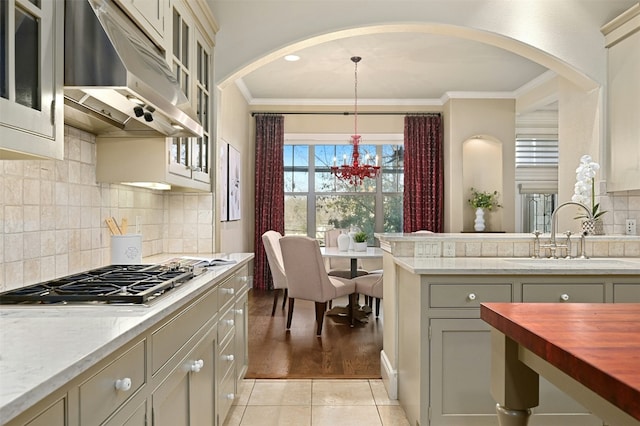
(584, 189)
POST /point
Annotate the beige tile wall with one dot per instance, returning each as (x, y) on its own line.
(52, 216)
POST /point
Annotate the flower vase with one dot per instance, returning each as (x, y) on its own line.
(343, 242)
(478, 225)
(593, 227)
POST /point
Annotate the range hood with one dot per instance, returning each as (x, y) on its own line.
(114, 75)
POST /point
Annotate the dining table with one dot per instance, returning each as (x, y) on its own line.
(353, 255)
(361, 313)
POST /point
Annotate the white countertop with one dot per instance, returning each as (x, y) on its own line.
(43, 347)
(519, 266)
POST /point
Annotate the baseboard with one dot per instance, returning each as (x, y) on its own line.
(389, 376)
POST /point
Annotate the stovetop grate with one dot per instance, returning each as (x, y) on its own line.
(109, 284)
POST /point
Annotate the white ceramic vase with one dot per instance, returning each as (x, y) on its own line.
(478, 225)
(343, 242)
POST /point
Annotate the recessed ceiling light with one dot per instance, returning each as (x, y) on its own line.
(292, 58)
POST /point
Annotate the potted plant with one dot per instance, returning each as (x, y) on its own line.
(360, 241)
(481, 200)
(585, 193)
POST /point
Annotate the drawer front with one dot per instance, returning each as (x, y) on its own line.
(467, 295)
(226, 395)
(226, 292)
(626, 293)
(553, 293)
(226, 358)
(167, 340)
(226, 324)
(99, 397)
(241, 279)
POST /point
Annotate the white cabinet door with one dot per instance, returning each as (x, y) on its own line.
(31, 100)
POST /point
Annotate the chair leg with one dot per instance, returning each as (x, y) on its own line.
(286, 295)
(290, 315)
(352, 306)
(321, 307)
(275, 301)
(377, 307)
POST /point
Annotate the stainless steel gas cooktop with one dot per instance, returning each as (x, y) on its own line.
(134, 284)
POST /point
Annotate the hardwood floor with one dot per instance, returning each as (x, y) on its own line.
(340, 352)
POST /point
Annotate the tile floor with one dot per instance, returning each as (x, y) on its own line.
(314, 403)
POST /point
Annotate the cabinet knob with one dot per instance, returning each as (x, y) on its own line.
(197, 365)
(230, 396)
(239, 311)
(228, 357)
(229, 322)
(564, 297)
(471, 296)
(228, 290)
(123, 384)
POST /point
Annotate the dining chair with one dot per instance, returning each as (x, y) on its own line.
(307, 278)
(371, 286)
(271, 241)
(338, 267)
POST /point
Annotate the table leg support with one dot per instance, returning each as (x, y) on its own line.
(507, 417)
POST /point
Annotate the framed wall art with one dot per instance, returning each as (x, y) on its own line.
(224, 184)
(234, 188)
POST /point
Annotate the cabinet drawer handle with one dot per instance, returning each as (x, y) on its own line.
(229, 322)
(230, 396)
(228, 290)
(228, 357)
(239, 311)
(197, 365)
(471, 296)
(123, 384)
(564, 297)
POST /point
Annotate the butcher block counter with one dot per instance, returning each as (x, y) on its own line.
(590, 351)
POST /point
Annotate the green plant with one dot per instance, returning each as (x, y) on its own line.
(483, 200)
(360, 237)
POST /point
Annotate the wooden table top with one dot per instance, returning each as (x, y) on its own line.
(596, 344)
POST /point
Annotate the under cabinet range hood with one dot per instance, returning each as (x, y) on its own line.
(114, 75)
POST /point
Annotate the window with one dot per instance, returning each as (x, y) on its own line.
(315, 200)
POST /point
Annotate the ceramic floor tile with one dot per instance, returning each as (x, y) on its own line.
(392, 415)
(282, 415)
(380, 394)
(244, 391)
(358, 415)
(281, 392)
(235, 415)
(342, 392)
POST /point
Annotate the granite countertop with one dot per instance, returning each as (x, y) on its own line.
(519, 266)
(43, 347)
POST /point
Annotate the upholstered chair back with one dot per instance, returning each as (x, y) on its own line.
(271, 241)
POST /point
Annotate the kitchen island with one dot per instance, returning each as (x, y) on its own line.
(437, 351)
(588, 350)
(126, 364)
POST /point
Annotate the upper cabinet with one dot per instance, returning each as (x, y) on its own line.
(150, 15)
(31, 79)
(622, 38)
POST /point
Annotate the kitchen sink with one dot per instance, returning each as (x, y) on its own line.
(547, 262)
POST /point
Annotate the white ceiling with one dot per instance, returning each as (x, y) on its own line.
(396, 68)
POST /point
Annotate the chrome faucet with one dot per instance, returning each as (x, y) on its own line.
(554, 219)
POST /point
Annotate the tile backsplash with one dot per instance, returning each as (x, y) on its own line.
(52, 216)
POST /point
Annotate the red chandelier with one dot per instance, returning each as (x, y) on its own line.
(355, 172)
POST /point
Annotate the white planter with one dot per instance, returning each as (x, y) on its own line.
(478, 225)
(360, 246)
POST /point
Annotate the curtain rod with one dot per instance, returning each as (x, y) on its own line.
(345, 113)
